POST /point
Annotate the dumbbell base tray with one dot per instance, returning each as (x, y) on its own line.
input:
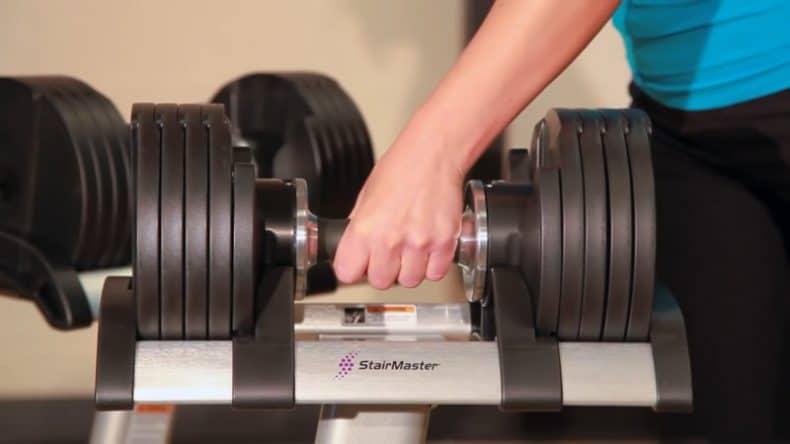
(199, 372)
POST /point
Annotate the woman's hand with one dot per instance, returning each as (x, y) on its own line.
(407, 217)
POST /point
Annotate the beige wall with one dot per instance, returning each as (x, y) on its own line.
(387, 54)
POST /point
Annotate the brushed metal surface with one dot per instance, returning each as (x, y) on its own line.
(593, 374)
(429, 319)
(372, 424)
(93, 281)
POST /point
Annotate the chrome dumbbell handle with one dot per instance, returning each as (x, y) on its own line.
(317, 238)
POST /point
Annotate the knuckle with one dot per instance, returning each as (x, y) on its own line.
(359, 230)
(390, 241)
(419, 241)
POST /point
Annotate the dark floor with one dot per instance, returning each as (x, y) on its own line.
(69, 421)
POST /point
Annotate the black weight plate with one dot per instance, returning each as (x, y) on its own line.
(78, 122)
(317, 138)
(330, 172)
(327, 180)
(596, 226)
(547, 183)
(195, 223)
(620, 226)
(356, 124)
(171, 222)
(219, 225)
(572, 195)
(45, 172)
(114, 133)
(643, 187)
(331, 176)
(146, 160)
(303, 158)
(128, 244)
(350, 149)
(76, 127)
(243, 242)
(333, 125)
(117, 133)
(81, 97)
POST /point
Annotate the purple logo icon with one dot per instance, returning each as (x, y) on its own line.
(346, 364)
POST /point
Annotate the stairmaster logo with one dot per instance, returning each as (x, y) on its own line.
(350, 362)
(346, 364)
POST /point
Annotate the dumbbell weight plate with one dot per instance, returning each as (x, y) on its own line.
(195, 223)
(265, 107)
(302, 142)
(352, 167)
(78, 94)
(356, 145)
(643, 186)
(115, 132)
(171, 222)
(219, 224)
(620, 226)
(330, 174)
(86, 130)
(329, 127)
(37, 142)
(145, 149)
(572, 197)
(357, 124)
(243, 253)
(596, 254)
(77, 127)
(545, 170)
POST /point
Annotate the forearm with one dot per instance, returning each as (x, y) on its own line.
(520, 48)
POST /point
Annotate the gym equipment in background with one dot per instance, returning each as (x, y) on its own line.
(65, 174)
(558, 269)
(302, 124)
(65, 201)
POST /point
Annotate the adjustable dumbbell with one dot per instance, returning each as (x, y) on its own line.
(66, 185)
(65, 203)
(566, 254)
(302, 124)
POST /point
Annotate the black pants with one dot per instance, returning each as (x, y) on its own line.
(723, 204)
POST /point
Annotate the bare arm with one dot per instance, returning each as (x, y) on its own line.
(407, 217)
(520, 48)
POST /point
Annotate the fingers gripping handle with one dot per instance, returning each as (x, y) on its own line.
(329, 233)
(331, 230)
(471, 252)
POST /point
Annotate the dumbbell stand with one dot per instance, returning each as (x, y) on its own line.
(364, 407)
(468, 371)
(200, 372)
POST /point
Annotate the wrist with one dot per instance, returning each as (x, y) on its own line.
(444, 138)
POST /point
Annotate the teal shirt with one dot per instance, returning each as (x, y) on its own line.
(703, 54)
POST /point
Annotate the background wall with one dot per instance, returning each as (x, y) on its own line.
(387, 55)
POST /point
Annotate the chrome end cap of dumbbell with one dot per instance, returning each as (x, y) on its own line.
(305, 237)
(473, 241)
